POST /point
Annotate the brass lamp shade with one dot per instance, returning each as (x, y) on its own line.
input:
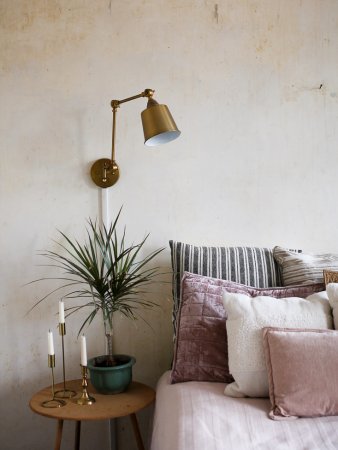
(159, 126)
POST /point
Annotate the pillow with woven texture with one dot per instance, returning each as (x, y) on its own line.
(247, 316)
(330, 276)
(201, 345)
(251, 266)
(302, 368)
(303, 268)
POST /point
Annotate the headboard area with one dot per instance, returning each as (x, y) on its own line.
(251, 266)
(202, 274)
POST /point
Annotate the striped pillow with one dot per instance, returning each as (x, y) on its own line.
(302, 268)
(251, 266)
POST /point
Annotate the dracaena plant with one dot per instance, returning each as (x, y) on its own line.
(104, 273)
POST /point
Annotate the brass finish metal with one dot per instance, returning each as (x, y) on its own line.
(159, 126)
(51, 361)
(156, 120)
(53, 402)
(105, 172)
(85, 398)
(146, 93)
(64, 393)
(62, 329)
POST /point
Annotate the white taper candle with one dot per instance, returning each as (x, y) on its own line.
(50, 343)
(61, 312)
(83, 350)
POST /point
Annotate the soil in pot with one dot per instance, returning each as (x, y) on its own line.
(111, 361)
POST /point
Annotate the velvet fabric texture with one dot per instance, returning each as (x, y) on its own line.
(200, 352)
(302, 369)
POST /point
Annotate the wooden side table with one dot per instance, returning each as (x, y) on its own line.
(137, 397)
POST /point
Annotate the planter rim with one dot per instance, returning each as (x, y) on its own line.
(91, 366)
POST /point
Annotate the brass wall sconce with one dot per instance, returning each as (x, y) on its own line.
(158, 126)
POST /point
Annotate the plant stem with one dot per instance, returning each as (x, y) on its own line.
(109, 332)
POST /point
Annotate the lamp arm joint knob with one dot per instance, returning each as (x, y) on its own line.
(148, 93)
(115, 104)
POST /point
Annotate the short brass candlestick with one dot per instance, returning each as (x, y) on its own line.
(64, 393)
(85, 398)
(54, 402)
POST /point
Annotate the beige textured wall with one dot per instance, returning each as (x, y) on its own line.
(253, 87)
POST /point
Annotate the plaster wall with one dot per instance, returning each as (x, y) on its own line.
(253, 87)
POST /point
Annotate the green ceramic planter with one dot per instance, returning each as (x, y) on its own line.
(111, 380)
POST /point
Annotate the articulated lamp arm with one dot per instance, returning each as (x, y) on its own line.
(158, 126)
(146, 93)
(116, 104)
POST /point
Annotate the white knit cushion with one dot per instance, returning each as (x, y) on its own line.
(332, 292)
(247, 316)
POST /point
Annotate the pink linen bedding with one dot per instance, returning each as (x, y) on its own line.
(197, 415)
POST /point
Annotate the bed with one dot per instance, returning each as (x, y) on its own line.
(192, 411)
(198, 416)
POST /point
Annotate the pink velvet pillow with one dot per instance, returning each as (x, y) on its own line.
(302, 370)
(200, 352)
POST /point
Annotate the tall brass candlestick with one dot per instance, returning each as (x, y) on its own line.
(65, 393)
(85, 398)
(53, 402)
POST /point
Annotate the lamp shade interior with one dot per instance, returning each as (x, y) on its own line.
(162, 138)
(159, 126)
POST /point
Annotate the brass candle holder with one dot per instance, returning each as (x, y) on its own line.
(64, 393)
(85, 398)
(54, 402)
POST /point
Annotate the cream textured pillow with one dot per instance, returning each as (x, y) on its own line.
(247, 316)
(332, 292)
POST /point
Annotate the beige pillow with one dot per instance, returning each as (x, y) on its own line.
(303, 268)
(302, 369)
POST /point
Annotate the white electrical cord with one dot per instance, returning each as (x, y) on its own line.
(105, 208)
(105, 220)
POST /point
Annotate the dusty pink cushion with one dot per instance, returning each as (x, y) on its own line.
(302, 369)
(201, 343)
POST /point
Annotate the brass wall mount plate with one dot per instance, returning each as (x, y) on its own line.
(105, 172)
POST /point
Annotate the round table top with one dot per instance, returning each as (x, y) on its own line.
(135, 398)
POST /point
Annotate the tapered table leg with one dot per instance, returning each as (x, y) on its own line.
(77, 434)
(58, 435)
(137, 433)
